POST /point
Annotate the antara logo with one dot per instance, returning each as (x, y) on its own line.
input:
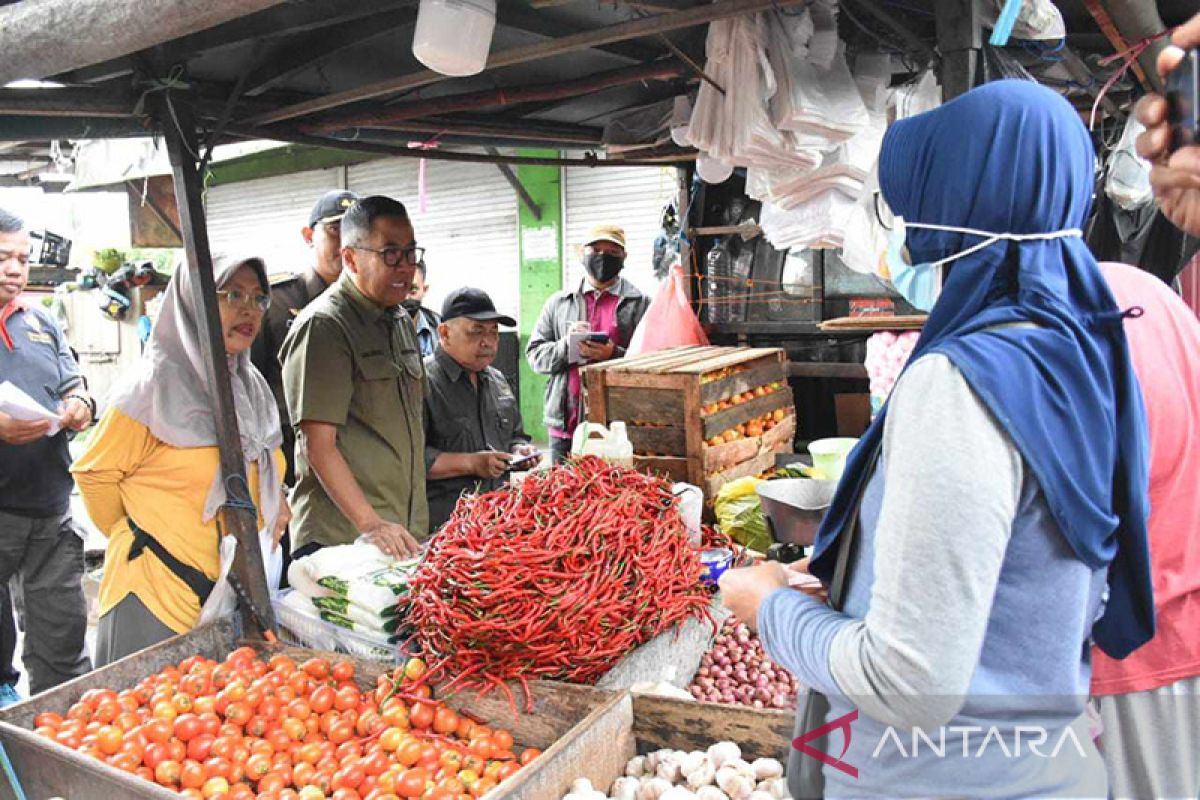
(842, 723)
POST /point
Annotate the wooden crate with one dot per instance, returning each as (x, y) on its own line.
(672, 657)
(661, 397)
(651, 723)
(573, 725)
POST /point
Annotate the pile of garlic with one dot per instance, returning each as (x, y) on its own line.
(718, 774)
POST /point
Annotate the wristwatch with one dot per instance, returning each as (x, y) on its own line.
(87, 401)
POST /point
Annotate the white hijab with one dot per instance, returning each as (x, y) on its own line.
(170, 394)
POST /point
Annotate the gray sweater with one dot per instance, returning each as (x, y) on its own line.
(967, 618)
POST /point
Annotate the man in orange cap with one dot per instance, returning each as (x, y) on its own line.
(605, 305)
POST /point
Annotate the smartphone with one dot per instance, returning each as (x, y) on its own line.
(598, 338)
(1183, 83)
(526, 463)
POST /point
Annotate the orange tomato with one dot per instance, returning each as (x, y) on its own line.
(343, 671)
(529, 754)
(316, 668)
(168, 773)
(445, 720)
(109, 739)
(421, 715)
(502, 740)
(413, 782)
(192, 776)
(322, 699)
(215, 787)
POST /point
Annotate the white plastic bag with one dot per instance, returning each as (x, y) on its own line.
(222, 600)
(1128, 182)
(272, 557)
(691, 508)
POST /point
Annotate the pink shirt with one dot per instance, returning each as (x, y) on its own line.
(1165, 345)
(602, 316)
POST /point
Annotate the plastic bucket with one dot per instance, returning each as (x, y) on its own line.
(829, 456)
(453, 37)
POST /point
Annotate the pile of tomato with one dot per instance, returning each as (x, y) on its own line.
(281, 730)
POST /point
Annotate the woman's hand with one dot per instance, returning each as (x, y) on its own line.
(282, 521)
(743, 590)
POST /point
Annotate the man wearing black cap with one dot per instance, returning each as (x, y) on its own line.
(291, 292)
(473, 429)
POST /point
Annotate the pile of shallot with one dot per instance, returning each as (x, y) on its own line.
(718, 774)
(736, 670)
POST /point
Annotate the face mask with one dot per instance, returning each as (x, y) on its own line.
(603, 267)
(918, 283)
(411, 306)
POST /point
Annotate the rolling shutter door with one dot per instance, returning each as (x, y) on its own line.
(264, 216)
(469, 227)
(632, 197)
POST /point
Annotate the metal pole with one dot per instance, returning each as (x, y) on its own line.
(247, 575)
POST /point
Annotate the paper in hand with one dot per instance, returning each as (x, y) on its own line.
(18, 405)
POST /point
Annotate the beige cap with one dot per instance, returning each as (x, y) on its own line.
(607, 233)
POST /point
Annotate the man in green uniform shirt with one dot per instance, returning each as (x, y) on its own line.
(355, 386)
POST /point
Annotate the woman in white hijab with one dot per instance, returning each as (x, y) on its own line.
(150, 476)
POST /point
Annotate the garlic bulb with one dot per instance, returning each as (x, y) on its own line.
(636, 767)
(776, 787)
(710, 793)
(692, 762)
(765, 768)
(625, 789)
(743, 769)
(582, 786)
(669, 769)
(678, 793)
(703, 776)
(652, 789)
(761, 796)
(722, 752)
(733, 783)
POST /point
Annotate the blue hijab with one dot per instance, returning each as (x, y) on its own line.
(1013, 157)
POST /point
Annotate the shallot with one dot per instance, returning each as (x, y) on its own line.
(736, 670)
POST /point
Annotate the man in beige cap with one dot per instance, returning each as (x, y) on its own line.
(605, 305)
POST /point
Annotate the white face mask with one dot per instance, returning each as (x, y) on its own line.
(920, 284)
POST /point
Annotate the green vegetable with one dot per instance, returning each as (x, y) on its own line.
(739, 513)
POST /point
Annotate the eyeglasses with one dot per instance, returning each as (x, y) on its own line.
(392, 256)
(240, 299)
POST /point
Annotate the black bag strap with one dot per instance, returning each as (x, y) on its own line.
(196, 580)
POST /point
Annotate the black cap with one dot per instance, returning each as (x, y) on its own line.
(331, 207)
(473, 304)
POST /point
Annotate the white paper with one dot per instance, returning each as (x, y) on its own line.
(19, 405)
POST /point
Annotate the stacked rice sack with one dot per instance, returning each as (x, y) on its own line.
(353, 588)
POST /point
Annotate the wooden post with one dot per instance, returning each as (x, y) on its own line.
(960, 38)
(247, 575)
(685, 247)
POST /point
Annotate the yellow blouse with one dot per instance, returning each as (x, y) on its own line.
(126, 472)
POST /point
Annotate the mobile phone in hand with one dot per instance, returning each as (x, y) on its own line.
(1183, 102)
(598, 338)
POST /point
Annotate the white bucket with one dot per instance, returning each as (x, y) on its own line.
(453, 37)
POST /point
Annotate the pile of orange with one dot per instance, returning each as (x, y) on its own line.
(278, 730)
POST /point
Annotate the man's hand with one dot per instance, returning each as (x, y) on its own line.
(75, 414)
(800, 578)
(1175, 177)
(19, 431)
(490, 463)
(282, 521)
(597, 351)
(393, 539)
(743, 590)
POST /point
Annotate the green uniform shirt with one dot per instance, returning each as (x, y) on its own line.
(351, 363)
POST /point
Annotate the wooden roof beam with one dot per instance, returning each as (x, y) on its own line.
(633, 29)
(40, 38)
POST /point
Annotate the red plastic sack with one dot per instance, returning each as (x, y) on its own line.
(669, 321)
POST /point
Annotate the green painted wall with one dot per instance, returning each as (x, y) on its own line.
(541, 272)
(282, 161)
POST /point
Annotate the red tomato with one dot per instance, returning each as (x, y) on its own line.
(348, 777)
(421, 715)
(529, 754)
(187, 727)
(316, 668)
(199, 747)
(413, 782)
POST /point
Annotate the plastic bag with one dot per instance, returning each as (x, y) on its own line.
(222, 600)
(1128, 181)
(739, 513)
(691, 508)
(669, 321)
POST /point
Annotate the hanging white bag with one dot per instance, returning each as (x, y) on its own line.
(1128, 181)
(222, 600)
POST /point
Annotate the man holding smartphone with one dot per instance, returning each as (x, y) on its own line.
(1175, 175)
(587, 324)
(473, 428)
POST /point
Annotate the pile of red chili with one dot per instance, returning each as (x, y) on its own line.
(555, 578)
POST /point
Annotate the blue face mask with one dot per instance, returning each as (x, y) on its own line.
(916, 283)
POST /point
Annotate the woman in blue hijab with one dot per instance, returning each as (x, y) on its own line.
(1000, 496)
